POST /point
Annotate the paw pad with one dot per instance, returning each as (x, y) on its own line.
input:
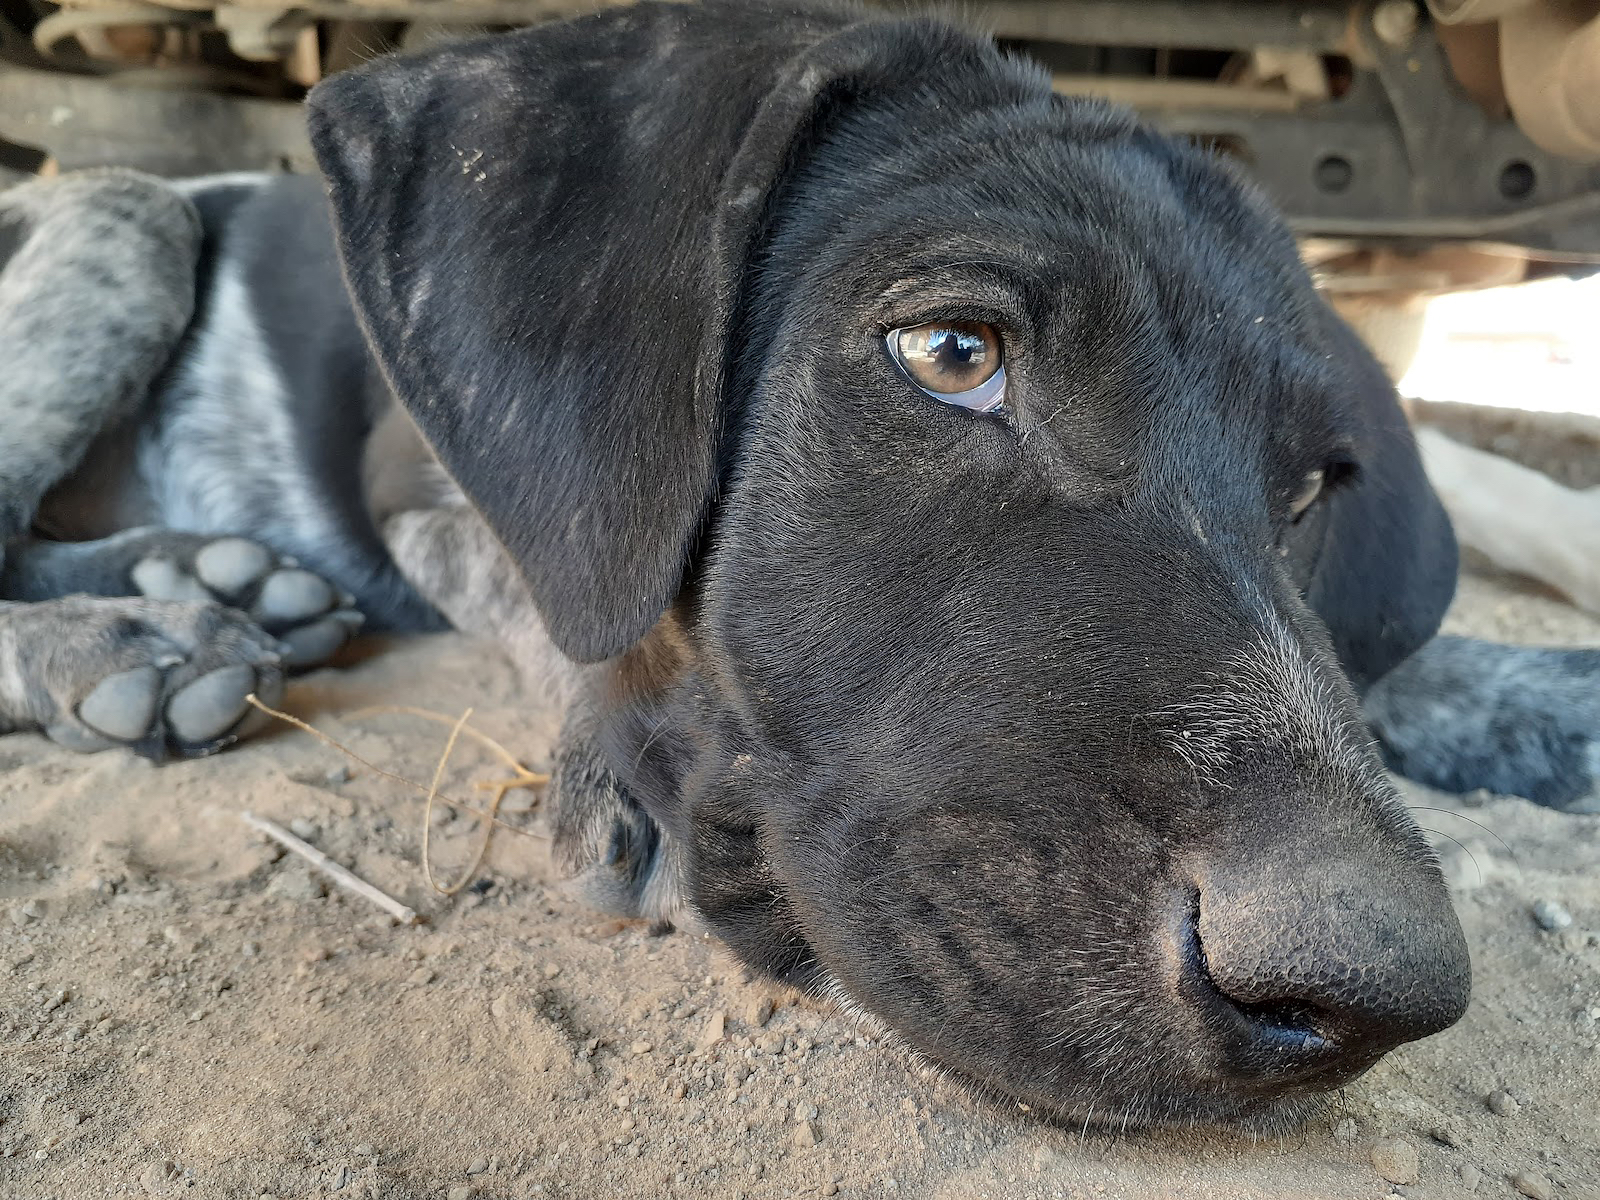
(123, 706)
(292, 595)
(231, 565)
(317, 642)
(311, 618)
(206, 709)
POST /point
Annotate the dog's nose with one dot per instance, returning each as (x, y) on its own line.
(1309, 971)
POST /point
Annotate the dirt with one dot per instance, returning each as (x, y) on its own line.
(184, 1011)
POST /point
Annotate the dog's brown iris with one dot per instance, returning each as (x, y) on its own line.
(948, 358)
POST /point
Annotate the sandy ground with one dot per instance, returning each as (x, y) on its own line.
(186, 1012)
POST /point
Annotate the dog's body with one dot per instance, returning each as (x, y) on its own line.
(269, 401)
(267, 421)
(894, 693)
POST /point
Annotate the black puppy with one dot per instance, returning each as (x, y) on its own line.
(993, 464)
(977, 527)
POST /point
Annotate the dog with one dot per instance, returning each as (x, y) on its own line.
(958, 534)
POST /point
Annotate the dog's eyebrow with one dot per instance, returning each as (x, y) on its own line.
(1001, 283)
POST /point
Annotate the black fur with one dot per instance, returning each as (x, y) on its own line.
(989, 723)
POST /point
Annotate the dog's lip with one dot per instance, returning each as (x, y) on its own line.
(1241, 1109)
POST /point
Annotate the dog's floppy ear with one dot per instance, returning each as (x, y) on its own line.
(1385, 569)
(545, 234)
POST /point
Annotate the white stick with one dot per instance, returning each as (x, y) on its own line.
(331, 869)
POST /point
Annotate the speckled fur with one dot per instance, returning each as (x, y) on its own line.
(1463, 714)
(98, 286)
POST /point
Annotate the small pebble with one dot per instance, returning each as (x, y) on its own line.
(1471, 1177)
(1346, 1130)
(805, 1135)
(641, 1047)
(303, 829)
(1446, 1135)
(1502, 1103)
(1395, 1159)
(27, 914)
(830, 1189)
(1533, 1185)
(759, 1012)
(461, 1191)
(337, 775)
(716, 1028)
(1550, 915)
(158, 1177)
(477, 1166)
(296, 882)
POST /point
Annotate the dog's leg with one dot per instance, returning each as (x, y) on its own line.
(96, 288)
(453, 559)
(1461, 714)
(1520, 519)
(162, 677)
(308, 618)
(616, 857)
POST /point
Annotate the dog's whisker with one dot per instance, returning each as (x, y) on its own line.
(1450, 812)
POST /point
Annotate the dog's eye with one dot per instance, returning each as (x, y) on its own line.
(1311, 489)
(957, 362)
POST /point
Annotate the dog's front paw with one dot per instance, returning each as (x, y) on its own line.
(165, 678)
(614, 856)
(310, 616)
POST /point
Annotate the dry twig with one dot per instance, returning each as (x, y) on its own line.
(489, 818)
(345, 879)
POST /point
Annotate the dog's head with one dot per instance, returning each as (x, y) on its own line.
(987, 528)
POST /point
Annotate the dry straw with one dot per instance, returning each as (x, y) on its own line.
(489, 818)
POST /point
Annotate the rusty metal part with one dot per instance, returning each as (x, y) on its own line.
(1191, 24)
(1194, 95)
(261, 34)
(88, 122)
(1466, 12)
(1351, 269)
(1318, 25)
(1396, 22)
(52, 31)
(1474, 53)
(1550, 61)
